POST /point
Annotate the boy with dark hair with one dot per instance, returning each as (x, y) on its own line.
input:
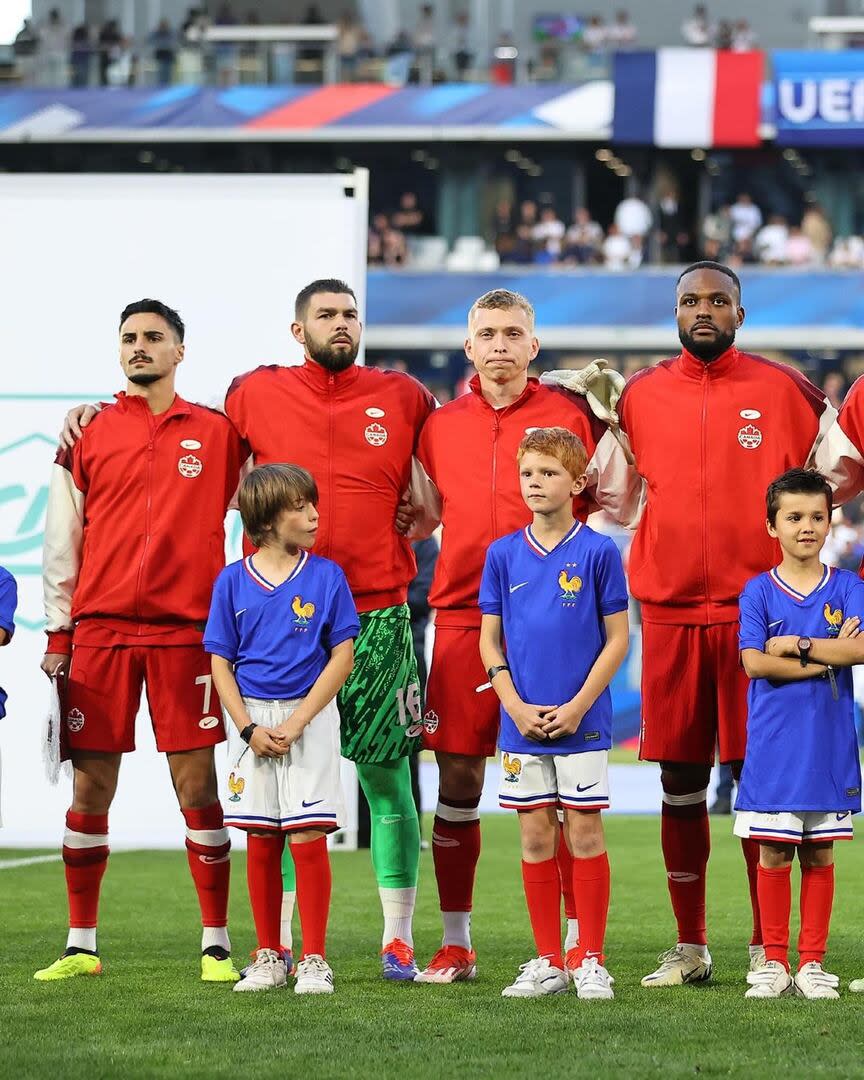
(556, 591)
(801, 781)
(281, 637)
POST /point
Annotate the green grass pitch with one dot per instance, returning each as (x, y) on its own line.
(149, 1016)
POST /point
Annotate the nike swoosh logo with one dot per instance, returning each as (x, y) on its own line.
(308, 804)
(681, 875)
(521, 585)
(777, 623)
(443, 841)
(213, 858)
(587, 787)
(240, 612)
(390, 819)
(841, 817)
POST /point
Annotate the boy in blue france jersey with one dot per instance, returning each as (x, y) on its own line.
(555, 592)
(281, 637)
(801, 781)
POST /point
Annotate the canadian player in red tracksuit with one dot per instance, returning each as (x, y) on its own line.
(840, 456)
(356, 430)
(709, 430)
(133, 543)
(468, 449)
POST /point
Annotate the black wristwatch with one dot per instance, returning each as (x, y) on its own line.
(804, 647)
(246, 733)
(493, 671)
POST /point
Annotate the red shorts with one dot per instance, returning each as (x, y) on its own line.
(694, 694)
(460, 717)
(103, 693)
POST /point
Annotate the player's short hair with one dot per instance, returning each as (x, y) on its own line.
(503, 300)
(333, 285)
(268, 490)
(707, 264)
(559, 443)
(796, 482)
(155, 307)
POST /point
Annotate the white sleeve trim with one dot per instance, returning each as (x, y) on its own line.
(838, 458)
(61, 552)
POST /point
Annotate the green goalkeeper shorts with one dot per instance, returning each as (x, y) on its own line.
(380, 703)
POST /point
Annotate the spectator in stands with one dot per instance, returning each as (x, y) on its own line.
(799, 250)
(633, 217)
(723, 35)
(548, 236)
(394, 247)
(461, 49)
(742, 253)
(717, 232)
(697, 29)
(25, 48)
(53, 50)
(770, 242)
(425, 40)
(163, 42)
(622, 34)
(80, 56)
(502, 71)
(375, 244)
(817, 228)
(409, 218)
(226, 53)
(400, 57)
(110, 48)
(504, 230)
(834, 388)
(618, 252)
(847, 253)
(594, 36)
(673, 236)
(312, 53)
(348, 45)
(746, 217)
(743, 38)
(583, 240)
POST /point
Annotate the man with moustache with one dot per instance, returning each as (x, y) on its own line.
(709, 429)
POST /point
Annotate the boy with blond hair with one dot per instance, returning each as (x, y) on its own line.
(555, 591)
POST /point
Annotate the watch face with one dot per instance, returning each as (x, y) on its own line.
(804, 643)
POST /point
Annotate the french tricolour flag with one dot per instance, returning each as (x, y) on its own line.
(687, 98)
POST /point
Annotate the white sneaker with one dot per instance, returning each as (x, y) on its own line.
(314, 976)
(266, 972)
(772, 980)
(536, 979)
(812, 982)
(593, 981)
(683, 964)
(757, 957)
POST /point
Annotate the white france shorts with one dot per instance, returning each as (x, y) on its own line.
(298, 791)
(571, 781)
(785, 827)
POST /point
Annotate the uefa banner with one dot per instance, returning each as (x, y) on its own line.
(819, 97)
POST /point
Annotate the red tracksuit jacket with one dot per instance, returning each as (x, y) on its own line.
(356, 432)
(134, 537)
(708, 439)
(468, 448)
(841, 453)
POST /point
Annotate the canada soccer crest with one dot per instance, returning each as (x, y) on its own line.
(430, 722)
(750, 437)
(189, 466)
(75, 720)
(376, 434)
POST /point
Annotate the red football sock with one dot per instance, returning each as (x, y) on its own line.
(264, 877)
(751, 857)
(543, 895)
(207, 847)
(591, 883)
(85, 865)
(686, 844)
(817, 899)
(565, 869)
(775, 904)
(456, 851)
(314, 885)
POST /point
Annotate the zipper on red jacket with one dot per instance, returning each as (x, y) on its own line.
(331, 382)
(151, 427)
(704, 471)
(496, 429)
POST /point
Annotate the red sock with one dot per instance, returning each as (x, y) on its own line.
(565, 870)
(207, 847)
(85, 865)
(686, 845)
(314, 885)
(264, 877)
(591, 883)
(817, 899)
(751, 857)
(542, 883)
(455, 851)
(775, 904)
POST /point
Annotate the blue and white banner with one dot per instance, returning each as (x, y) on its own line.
(819, 97)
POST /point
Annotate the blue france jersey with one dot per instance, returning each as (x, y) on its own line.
(552, 605)
(279, 637)
(802, 753)
(8, 603)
